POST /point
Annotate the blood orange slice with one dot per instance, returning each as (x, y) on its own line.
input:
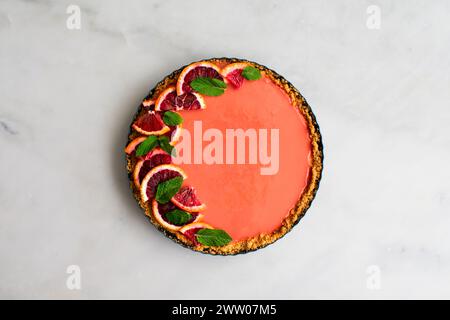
(148, 104)
(166, 99)
(187, 200)
(150, 123)
(233, 74)
(157, 175)
(160, 210)
(174, 134)
(195, 70)
(133, 144)
(189, 101)
(169, 100)
(151, 160)
(190, 230)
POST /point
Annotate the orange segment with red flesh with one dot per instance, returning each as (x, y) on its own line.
(166, 99)
(169, 100)
(129, 149)
(160, 210)
(190, 230)
(149, 104)
(196, 70)
(157, 175)
(150, 161)
(150, 123)
(232, 74)
(186, 198)
(174, 134)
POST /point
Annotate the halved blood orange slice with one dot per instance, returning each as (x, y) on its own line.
(159, 212)
(233, 74)
(150, 123)
(157, 175)
(151, 160)
(155, 152)
(195, 70)
(189, 101)
(174, 134)
(190, 230)
(169, 100)
(187, 200)
(133, 144)
(166, 99)
(149, 104)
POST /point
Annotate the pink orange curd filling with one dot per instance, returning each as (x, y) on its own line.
(239, 198)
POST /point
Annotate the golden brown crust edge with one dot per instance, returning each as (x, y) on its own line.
(295, 213)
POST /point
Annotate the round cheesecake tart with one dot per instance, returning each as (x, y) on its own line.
(224, 156)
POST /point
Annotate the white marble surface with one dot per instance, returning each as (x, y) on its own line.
(381, 98)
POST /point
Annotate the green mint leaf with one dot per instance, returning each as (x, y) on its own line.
(164, 143)
(251, 73)
(146, 146)
(213, 237)
(167, 189)
(208, 86)
(218, 83)
(172, 118)
(178, 217)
